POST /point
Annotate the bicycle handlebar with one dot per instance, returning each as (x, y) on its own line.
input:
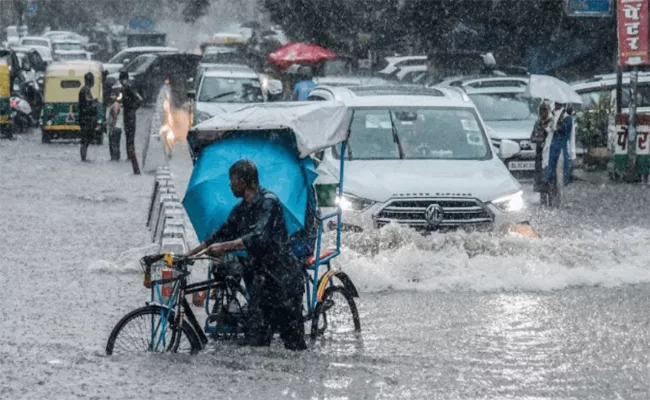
(178, 260)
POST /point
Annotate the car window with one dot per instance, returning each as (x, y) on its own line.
(418, 133)
(67, 46)
(406, 63)
(120, 57)
(34, 42)
(139, 64)
(315, 98)
(503, 107)
(230, 90)
(591, 99)
(643, 96)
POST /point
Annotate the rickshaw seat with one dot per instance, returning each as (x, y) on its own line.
(312, 260)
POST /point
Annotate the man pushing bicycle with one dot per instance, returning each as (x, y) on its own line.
(257, 225)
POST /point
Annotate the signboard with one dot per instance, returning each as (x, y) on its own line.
(621, 143)
(32, 8)
(142, 24)
(589, 8)
(632, 32)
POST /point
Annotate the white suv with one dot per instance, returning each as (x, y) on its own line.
(221, 88)
(419, 157)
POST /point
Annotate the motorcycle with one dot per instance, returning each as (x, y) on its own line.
(21, 113)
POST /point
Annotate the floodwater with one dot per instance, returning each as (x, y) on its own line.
(458, 316)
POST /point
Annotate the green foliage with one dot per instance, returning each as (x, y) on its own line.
(592, 123)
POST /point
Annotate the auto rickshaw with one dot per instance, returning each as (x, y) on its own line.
(5, 108)
(60, 115)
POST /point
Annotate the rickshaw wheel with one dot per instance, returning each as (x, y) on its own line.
(336, 317)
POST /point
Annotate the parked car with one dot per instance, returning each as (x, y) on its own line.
(66, 35)
(68, 49)
(219, 89)
(125, 56)
(13, 39)
(507, 111)
(40, 41)
(511, 115)
(148, 73)
(351, 81)
(392, 64)
(419, 157)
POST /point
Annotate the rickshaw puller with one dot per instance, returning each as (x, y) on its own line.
(257, 225)
(87, 114)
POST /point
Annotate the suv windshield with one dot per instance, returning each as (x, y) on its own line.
(230, 90)
(503, 107)
(416, 133)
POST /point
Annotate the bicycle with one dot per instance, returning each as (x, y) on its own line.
(170, 325)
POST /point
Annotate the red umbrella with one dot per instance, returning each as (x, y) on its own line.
(300, 53)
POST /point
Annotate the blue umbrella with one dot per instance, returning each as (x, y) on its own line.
(208, 199)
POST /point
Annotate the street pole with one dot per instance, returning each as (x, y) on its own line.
(631, 134)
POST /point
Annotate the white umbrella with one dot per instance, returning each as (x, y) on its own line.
(550, 88)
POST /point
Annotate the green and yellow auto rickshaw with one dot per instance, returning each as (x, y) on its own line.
(5, 95)
(60, 115)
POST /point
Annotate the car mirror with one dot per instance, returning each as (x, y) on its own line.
(191, 94)
(508, 149)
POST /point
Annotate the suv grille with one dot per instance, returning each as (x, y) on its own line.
(452, 213)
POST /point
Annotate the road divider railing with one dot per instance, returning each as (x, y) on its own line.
(166, 217)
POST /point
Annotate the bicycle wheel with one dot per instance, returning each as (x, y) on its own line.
(336, 317)
(141, 331)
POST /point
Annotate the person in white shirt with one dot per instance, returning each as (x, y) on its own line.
(115, 121)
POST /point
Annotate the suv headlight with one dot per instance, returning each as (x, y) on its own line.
(349, 202)
(200, 116)
(511, 203)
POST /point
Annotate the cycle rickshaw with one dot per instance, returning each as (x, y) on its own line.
(279, 138)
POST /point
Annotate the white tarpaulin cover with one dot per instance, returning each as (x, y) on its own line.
(316, 125)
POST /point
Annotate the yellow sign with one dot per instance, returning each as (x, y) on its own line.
(169, 259)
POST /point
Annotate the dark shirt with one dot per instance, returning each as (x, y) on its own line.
(262, 228)
(87, 110)
(130, 102)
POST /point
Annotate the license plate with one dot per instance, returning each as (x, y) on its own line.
(521, 165)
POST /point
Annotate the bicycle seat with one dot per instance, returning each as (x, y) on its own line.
(310, 261)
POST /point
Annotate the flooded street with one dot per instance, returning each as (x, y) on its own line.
(457, 316)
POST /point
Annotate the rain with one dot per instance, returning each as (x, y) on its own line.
(415, 153)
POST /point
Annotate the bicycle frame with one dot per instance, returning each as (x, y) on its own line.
(339, 224)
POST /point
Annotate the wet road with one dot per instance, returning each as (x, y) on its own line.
(458, 316)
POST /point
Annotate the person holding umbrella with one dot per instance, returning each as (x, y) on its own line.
(542, 133)
(257, 225)
(560, 144)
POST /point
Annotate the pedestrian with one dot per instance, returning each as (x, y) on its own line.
(115, 125)
(558, 150)
(87, 114)
(257, 225)
(131, 101)
(542, 132)
(305, 85)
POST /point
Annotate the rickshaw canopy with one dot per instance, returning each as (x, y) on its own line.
(315, 125)
(63, 80)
